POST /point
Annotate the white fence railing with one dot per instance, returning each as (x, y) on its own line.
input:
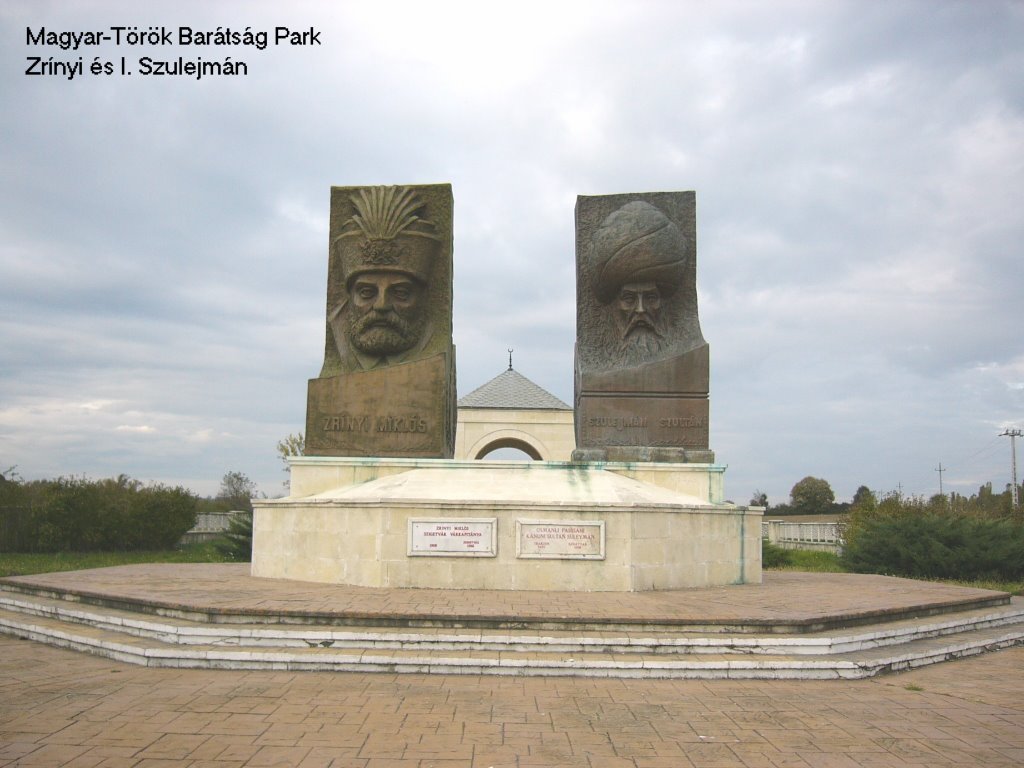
(209, 525)
(826, 537)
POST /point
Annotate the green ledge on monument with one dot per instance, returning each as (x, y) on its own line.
(394, 490)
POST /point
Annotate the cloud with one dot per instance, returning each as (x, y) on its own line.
(858, 169)
(138, 428)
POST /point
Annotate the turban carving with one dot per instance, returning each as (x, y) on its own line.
(636, 244)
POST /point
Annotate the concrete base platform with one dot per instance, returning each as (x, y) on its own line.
(524, 526)
(793, 625)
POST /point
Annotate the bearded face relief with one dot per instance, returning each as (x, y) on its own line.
(638, 310)
(639, 319)
(386, 313)
(380, 310)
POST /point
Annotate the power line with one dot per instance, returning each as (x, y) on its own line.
(940, 470)
(985, 448)
(980, 461)
(1013, 434)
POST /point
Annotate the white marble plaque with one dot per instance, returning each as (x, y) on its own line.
(560, 539)
(453, 537)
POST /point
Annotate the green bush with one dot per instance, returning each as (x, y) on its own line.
(159, 517)
(773, 556)
(79, 515)
(935, 545)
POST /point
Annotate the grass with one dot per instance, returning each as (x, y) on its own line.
(21, 564)
(1013, 587)
(808, 560)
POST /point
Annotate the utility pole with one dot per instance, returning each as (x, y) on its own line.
(940, 470)
(1013, 434)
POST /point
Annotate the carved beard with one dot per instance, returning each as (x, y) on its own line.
(641, 345)
(382, 333)
(641, 338)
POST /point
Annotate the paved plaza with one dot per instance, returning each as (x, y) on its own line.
(59, 708)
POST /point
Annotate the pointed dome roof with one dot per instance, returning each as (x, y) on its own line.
(512, 390)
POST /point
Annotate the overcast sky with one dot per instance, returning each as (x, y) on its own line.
(859, 170)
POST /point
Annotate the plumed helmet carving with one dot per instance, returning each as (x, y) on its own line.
(387, 234)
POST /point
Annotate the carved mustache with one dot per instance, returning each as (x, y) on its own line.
(641, 320)
(383, 318)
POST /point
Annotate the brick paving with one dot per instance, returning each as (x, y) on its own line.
(59, 708)
(783, 598)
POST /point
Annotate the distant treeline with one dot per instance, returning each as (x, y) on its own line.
(814, 496)
(76, 514)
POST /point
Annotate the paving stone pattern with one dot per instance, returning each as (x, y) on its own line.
(59, 708)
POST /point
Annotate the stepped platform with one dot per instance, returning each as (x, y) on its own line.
(793, 625)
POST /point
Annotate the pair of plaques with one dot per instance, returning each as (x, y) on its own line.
(387, 386)
(478, 537)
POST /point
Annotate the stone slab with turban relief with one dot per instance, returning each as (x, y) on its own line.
(641, 369)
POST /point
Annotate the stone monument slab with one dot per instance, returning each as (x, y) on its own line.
(387, 385)
(560, 540)
(453, 537)
(391, 412)
(642, 369)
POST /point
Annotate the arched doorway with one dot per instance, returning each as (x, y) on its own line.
(497, 439)
(509, 446)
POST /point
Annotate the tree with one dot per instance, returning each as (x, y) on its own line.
(864, 497)
(759, 499)
(236, 543)
(237, 491)
(292, 445)
(811, 496)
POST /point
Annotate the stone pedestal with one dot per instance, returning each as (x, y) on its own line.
(403, 410)
(506, 525)
(653, 412)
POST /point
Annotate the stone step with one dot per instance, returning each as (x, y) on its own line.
(549, 659)
(179, 631)
(188, 598)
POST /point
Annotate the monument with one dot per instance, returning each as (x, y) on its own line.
(387, 385)
(641, 371)
(378, 501)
